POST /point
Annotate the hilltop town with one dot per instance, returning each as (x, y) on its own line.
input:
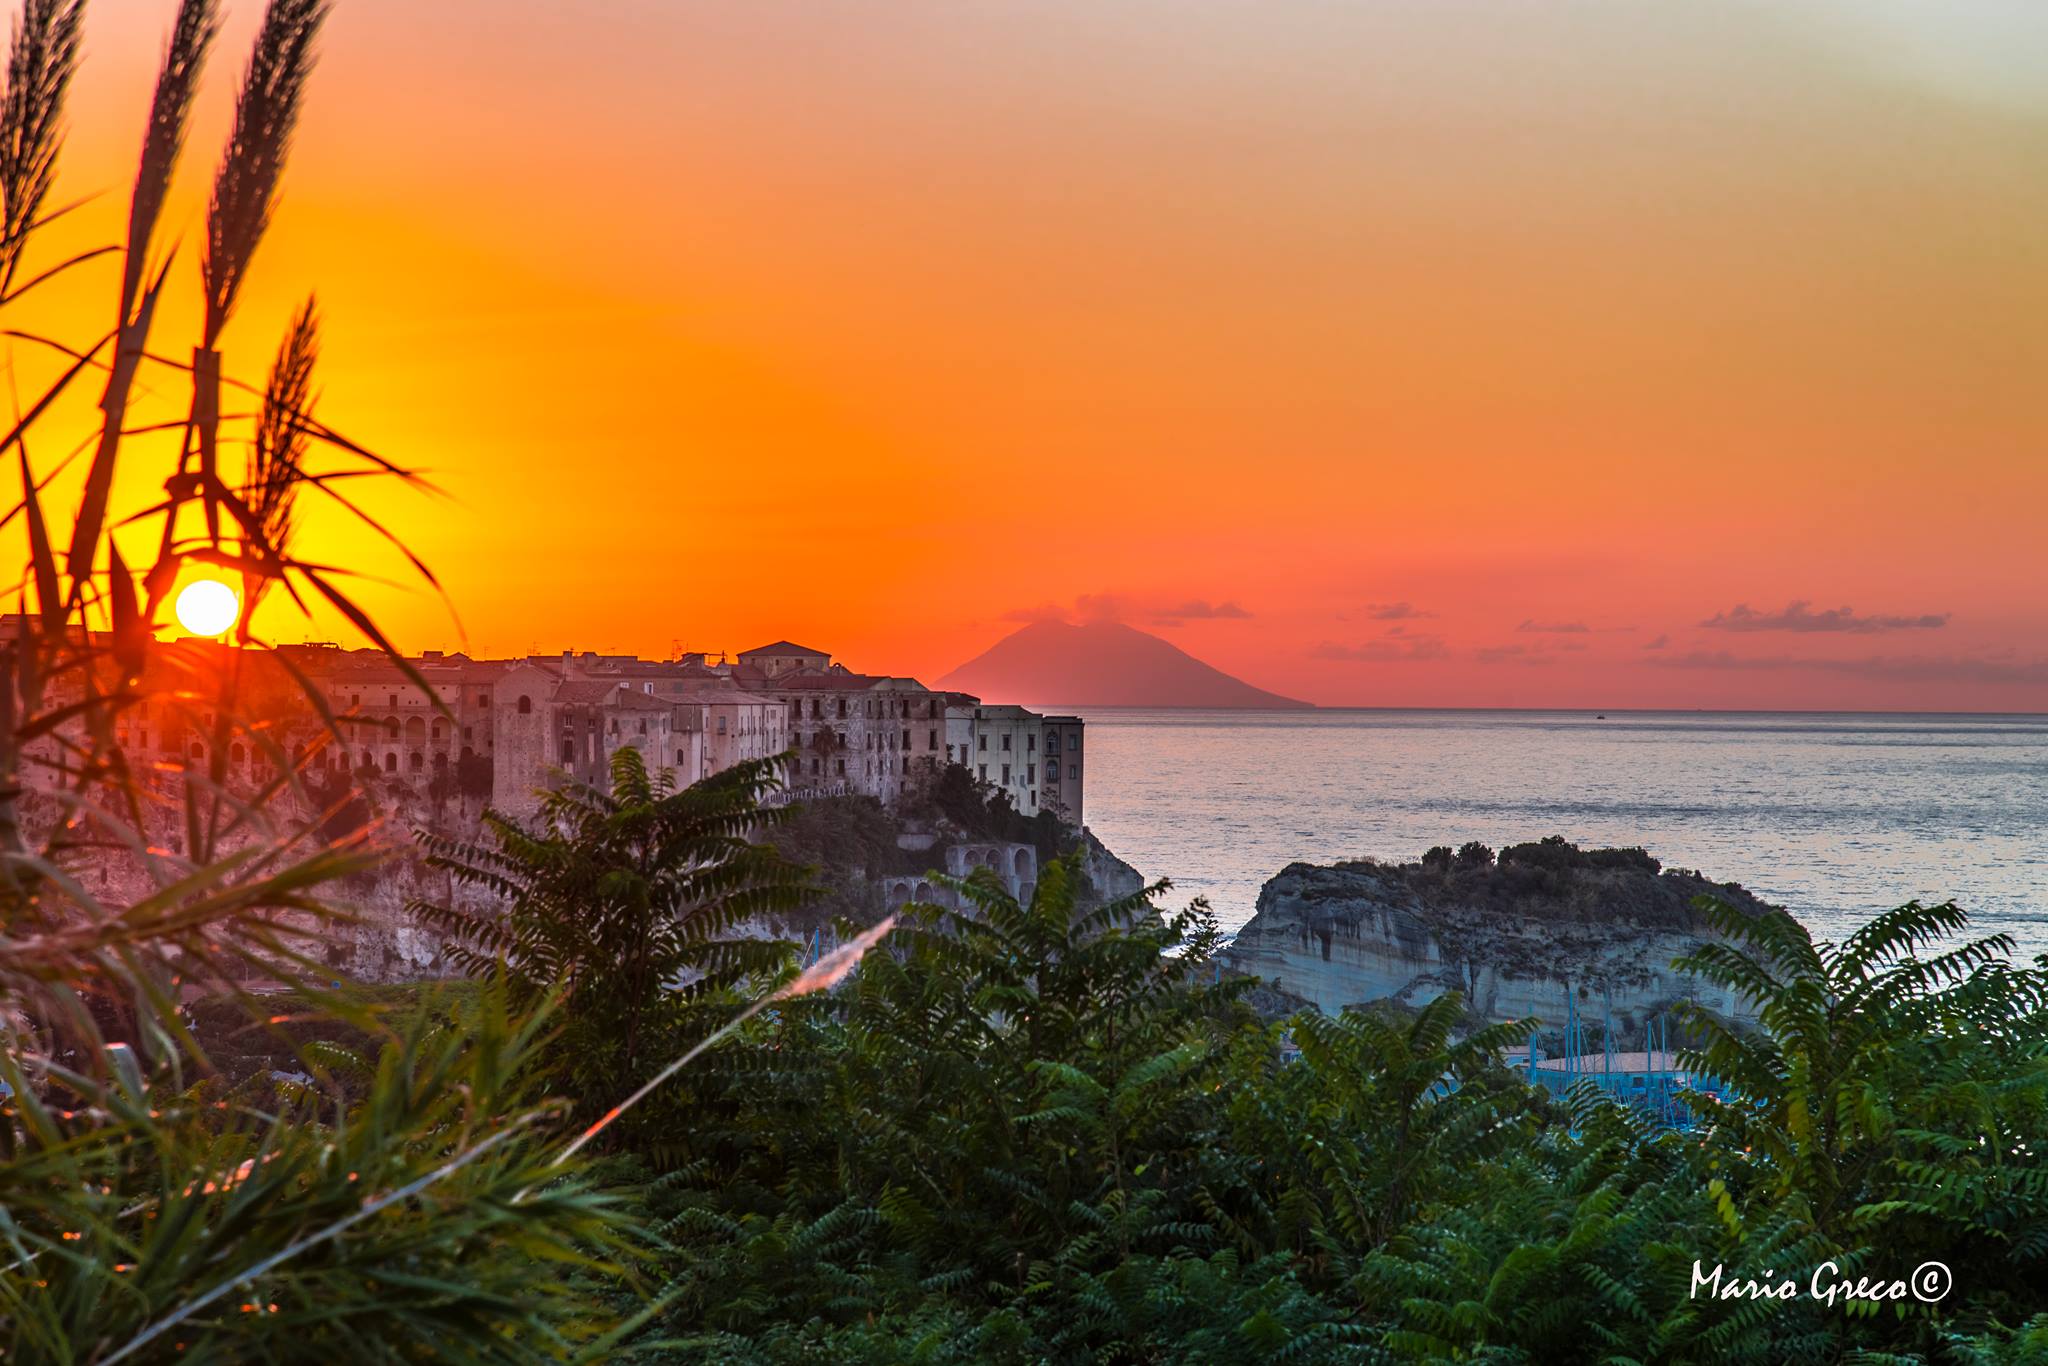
(529, 720)
(502, 731)
(882, 765)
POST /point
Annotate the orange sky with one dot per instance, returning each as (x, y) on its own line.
(881, 326)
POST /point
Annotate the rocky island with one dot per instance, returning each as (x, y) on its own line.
(1518, 935)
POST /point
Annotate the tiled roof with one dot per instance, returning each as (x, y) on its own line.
(784, 647)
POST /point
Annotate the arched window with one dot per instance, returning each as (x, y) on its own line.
(416, 762)
(391, 762)
(236, 753)
(525, 705)
(198, 750)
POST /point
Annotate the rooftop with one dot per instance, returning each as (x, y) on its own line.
(784, 647)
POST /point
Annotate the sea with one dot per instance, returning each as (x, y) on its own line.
(1833, 816)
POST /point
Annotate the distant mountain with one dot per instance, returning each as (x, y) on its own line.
(1104, 664)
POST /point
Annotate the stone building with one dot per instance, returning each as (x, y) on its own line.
(1001, 744)
(869, 734)
(783, 657)
(1059, 787)
(504, 731)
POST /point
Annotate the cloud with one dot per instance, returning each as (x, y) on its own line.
(1800, 616)
(1555, 628)
(1102, 607)
(1395, 611)
(1535, 653)
(1394, 648)
(1043, 612)
(2003, 668)
(1198, 610)
(1119, 607)
(1659, 643)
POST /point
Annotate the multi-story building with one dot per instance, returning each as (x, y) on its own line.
(784, 657)
(1059, 786)
(873, 734)
(504, 731)
(1001, 745)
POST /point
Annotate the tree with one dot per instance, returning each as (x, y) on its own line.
(629, 904)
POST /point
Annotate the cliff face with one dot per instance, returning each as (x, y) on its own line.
(1514, 936)
(1110, 875)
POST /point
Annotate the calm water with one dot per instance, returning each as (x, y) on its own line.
(1832, 816)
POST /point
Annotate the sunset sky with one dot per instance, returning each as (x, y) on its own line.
(1446, 353)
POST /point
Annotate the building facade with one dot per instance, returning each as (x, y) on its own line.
(1060, 778)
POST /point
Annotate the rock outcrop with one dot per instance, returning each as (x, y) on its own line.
(1109, 875)
(1517, 936)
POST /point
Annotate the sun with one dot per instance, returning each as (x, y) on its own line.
(207, 607)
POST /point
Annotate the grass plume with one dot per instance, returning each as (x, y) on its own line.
(170, 109)
(277, 454)
(40, 64)
(267, 113)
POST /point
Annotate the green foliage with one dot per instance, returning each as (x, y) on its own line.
(399, 1200)
(985, 811)
(1026, 1135)
(122, 1203)
(630, 904)
(846, 843)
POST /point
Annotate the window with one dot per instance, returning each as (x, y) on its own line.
(525, 705)
(483, 699)
(643, 727)
(842, 768)
(721, 725)
(1006, 775)
(1074, 772)
(235, 752)
(1006, 742)
(1031, 775)
(1073, 740)
(568, 751)
(982, 769)
(906, 739)
(466, 736)
(417, 761)
(391, 762)
(1031, 744)
(981, 743)
(932, 740)
(842, 708)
